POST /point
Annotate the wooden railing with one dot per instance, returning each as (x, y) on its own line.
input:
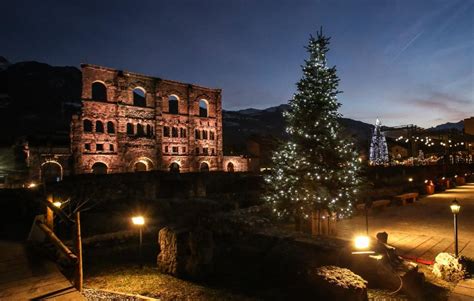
(48, 229)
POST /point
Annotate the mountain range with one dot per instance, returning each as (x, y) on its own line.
(36, 98)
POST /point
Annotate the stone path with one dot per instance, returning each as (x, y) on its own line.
(24, 276)
(421, 230)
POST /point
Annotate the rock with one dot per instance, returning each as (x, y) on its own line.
(185, 253)
(335, 283)
(449, 268)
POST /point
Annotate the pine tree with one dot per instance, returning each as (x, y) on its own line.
(378, 146)
(317, 168)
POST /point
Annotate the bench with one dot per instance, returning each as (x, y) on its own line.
(375, 204)
(406, 197)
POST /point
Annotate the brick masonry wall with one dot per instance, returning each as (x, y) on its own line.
(121, 152)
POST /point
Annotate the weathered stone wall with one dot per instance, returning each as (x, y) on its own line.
(192, 141)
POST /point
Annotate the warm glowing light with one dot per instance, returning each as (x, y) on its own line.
(57, 204)
(361, 242)
(138, 220)
(426, 181)
(455, 207)
(32, 185)
(410, 179)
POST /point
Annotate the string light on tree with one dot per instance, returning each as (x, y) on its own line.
(317, 168)
(378, 146)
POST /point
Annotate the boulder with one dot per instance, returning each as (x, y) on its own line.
(185, 253)
(336, 283)
(449, 268)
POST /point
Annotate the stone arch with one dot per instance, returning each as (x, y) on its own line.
(51, 171)
(230, 167)
(204, 166)
(99, 168)
(174, 167)
(99, 91)
(142, 164)
(203, 108)
(173, 104)
(139, 97)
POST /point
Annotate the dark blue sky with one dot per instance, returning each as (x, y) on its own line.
(402, 61)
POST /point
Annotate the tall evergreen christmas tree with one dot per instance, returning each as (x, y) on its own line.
(317, 168)
(378, 146)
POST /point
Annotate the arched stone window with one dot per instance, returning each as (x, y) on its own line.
(140, 130)
(148, 130)
(174, 167)
(204, 167)
(203, 108)
(139, 97)
(51, 172)
(110, 127)
(99, 168)
(99, 91)
(230, 167)
(99, 126)
(130, 129)
(173, 104)
(174, 132)
(87, 125)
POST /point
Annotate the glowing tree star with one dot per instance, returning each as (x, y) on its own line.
(378, 146)
(317, 168)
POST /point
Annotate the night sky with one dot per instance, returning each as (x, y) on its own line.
(402, 61)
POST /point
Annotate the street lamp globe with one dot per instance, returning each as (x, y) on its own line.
(455, 207)
(138, 220)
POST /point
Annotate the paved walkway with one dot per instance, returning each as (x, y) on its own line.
(422, 230)
(25, 277)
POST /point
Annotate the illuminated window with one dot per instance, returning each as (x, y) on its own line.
(87, 125)
(203, 108)
(99, 91)
(173, 104)
(99, 127)
(139, 97)
(110, 127)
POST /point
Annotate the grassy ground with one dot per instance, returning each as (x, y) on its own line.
(151, 283)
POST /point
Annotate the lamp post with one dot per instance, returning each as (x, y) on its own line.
(455, 207)
(139, 221)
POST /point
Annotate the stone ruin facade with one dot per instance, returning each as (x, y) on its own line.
(130, 122)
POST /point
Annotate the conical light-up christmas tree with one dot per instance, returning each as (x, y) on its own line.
(378, 146)
(317, 168)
